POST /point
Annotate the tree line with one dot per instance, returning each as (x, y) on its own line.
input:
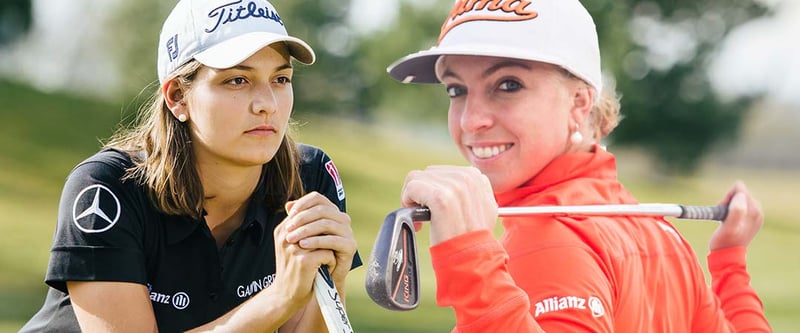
(656, 54)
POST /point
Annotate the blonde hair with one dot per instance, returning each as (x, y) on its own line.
(161, 149)
(605, 114)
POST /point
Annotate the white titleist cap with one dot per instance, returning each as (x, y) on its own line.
(222, 34)
(559, 32)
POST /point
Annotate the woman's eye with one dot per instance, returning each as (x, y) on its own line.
(510, 85)
(237, 81)
(455, 91)
(283, 80)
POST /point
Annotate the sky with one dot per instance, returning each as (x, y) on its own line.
(761, 56)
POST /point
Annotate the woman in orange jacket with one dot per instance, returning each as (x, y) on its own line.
(528, 111)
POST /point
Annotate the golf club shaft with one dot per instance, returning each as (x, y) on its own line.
(715, 213)
(388, 257)
(330, 303)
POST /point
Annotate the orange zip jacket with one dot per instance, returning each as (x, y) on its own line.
(590, 274)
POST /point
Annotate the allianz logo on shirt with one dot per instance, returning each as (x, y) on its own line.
(179, 300)
(557, 303)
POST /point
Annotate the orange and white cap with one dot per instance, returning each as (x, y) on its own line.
(559, 32)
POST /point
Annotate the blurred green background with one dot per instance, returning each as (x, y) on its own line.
(682, 141)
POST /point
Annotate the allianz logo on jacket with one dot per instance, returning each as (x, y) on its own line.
(559, 303)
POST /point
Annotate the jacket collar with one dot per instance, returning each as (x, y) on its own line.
(597, 164)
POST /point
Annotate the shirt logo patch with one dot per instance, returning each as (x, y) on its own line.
(249, 289)
(96, 209)
(336, 179)
(558, 303)
(180, 300)
(596, 305)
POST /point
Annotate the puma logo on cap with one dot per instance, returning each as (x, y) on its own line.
(487, 10)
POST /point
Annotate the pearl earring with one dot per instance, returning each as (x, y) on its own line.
(576, 137)
(182, 117)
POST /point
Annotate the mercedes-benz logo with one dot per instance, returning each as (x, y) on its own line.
(93, 211)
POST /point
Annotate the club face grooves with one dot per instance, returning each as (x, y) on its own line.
(392, 279)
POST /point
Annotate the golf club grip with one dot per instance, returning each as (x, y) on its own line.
(715, 213)
(330, 303)
(421, 214)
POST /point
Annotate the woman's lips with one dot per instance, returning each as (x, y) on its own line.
(489, 151)
(262, 130)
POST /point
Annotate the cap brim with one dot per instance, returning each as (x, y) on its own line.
(235, 50)
(420, 67)
(417, 68)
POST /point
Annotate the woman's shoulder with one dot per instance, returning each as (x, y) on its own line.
(107, 164)
(314, 158)
(310, 154)
(319, 173)
(110, 157)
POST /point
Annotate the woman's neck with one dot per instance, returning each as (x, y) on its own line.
(227, 190)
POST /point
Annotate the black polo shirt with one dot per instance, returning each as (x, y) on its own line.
(109, 231)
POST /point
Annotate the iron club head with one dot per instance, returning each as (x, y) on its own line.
(392, 279)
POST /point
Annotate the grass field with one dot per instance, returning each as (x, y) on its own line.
(42, 136)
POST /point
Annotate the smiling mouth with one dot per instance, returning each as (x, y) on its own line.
(489, 151)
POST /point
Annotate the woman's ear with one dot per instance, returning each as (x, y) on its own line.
(174, 97)
(583, 101)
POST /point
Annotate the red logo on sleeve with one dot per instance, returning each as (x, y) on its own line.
(336, 179)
